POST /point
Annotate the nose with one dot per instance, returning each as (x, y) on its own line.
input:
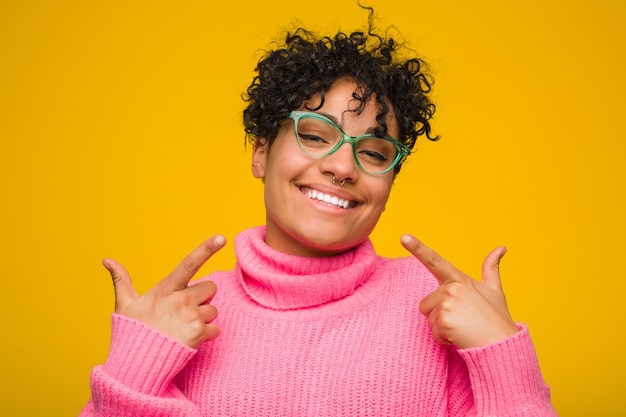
(341, 164)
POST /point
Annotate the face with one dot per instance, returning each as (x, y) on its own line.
(298, 220)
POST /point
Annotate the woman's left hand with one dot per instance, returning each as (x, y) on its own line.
(462, 311)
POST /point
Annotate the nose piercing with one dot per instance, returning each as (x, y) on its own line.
(335, 180)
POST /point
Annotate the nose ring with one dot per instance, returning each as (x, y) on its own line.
(335, 180)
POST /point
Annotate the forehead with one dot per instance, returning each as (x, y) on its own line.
(340, 104)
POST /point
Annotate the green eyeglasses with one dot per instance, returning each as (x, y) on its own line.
(318, 136)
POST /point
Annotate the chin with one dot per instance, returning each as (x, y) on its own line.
(315, 237)
(329, 243)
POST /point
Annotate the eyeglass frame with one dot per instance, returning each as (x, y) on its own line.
(402, 149)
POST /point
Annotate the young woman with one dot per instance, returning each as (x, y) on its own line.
(312, 321)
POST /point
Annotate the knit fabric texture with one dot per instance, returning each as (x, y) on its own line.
(333, 336)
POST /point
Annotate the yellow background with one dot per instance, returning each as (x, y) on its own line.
(121, 136)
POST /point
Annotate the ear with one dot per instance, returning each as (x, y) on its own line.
(259, 158)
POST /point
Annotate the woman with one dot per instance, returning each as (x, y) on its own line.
(312, 321)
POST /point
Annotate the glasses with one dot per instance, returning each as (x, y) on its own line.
(318, 136)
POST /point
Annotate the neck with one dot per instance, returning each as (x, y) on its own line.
(282, 281)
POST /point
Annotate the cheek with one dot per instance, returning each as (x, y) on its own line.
(285, 161)
(279, 168)
(382, 192)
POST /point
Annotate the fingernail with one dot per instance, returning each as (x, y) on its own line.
(219, 240)
(407, 239)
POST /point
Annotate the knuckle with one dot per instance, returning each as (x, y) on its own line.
(181, 298)
(115, 279)
(448, 290)
(456, 289)
(196, 326)
(447, 305)
(208, 248)
(434, 260)
(445, 324)
(190, 265)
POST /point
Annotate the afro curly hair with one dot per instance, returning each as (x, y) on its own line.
(308, 64)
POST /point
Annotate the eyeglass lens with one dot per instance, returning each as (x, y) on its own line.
(319, 138)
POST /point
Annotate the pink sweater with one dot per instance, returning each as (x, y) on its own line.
(338, 336)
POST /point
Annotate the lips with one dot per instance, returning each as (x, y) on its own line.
(329, 199)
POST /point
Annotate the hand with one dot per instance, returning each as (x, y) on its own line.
(463, 311)
(172, 306)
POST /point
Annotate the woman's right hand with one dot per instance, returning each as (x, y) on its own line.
(173, 307)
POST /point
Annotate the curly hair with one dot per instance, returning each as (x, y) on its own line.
(308, 64)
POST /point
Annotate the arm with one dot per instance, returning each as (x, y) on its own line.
(136, 379)
(153, 338)
(506, 380)
(473, 318)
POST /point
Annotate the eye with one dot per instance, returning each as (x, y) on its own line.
(311, 138)
(373, 155)
(375, 151)
(316, 133)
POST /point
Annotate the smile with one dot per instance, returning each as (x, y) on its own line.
(329, 199)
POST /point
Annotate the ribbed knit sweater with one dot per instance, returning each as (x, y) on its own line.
(334, 336)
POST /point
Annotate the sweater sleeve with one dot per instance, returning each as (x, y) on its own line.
(506, 380)
(136, 379)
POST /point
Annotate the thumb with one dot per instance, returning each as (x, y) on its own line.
(491, 268)
(123, 286)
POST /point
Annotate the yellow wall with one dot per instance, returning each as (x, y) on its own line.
(121, 136)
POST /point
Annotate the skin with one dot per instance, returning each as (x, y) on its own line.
(172, 306)
(299, 225)
(461, 311)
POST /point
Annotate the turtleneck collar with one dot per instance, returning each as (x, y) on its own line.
(286, 282)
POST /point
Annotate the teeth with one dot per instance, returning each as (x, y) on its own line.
(328, 199)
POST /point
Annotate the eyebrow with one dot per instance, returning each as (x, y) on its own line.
(370, 130)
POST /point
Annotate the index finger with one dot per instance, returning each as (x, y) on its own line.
(179, 278)
(443, 270)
